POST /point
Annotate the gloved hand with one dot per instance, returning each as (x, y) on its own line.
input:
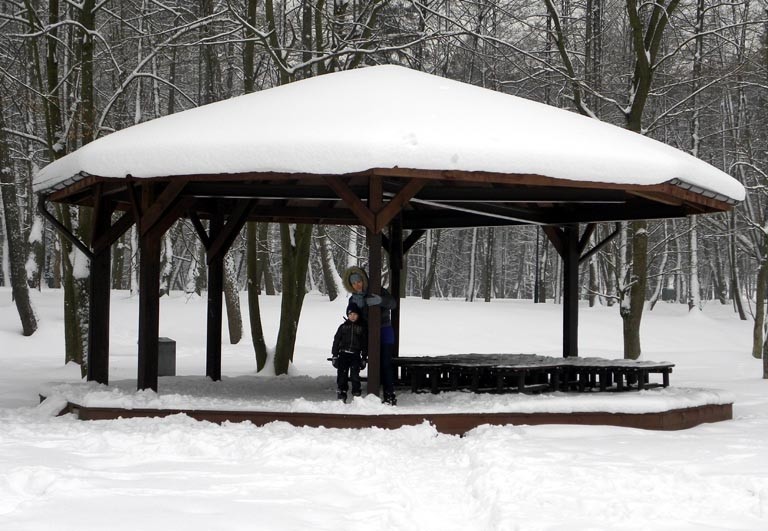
(335, 362)
(358, 299)
(363, 363)
(373, 300)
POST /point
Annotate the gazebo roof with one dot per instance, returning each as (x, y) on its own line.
(481, 154)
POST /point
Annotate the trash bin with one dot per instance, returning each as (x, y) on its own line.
(166, 354)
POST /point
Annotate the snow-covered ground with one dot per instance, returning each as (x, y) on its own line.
(175, 473)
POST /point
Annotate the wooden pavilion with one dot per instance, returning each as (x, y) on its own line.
(395, 151)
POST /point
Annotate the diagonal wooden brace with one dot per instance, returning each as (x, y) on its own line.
(161, 205)
(222, 241)
(364, 214)
(375, 221)
(396, 204)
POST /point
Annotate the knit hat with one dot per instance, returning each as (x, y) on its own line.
(355, 277)
(353, 308)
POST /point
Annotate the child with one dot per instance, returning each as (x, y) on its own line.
(349, 352)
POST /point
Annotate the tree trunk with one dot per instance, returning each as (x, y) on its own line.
(14, 238)
(352, 247)
(166, 264)
(760, 291)
(720, 284)
(488, 273)
(254, 314)
(470, 293)
(296, 240)
(232, 301)
(263, 256)
(330, 275)
(431, 246)
(694, 289)
(735, 286)
(632, 313)
(657, 292)
(118, 254)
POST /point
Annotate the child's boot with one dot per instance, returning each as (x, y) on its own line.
(341, 395)
(390, 399)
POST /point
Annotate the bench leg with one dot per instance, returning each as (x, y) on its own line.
(554, 380)
(435, 381)
(520, 381)
(416, 376)
(454, 378)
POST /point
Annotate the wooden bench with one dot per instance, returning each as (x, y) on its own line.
(526, 373)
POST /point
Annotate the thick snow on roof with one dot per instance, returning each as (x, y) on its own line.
(385, 117)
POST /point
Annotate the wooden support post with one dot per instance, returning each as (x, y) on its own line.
(149, 301)
(395, 276)
(98, 311)
(570, 256)
(152, 225)
(98, 322)
(215, 304)
(374, 279)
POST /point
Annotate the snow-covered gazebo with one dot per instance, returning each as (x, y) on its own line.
(384, 147)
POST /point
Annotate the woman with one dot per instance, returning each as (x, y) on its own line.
(356, 282)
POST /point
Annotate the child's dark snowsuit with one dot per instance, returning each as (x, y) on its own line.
(349, 351)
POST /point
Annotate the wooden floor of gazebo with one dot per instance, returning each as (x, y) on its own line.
(448, 423)
(513, 374)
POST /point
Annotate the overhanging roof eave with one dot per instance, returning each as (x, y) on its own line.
(485, 188)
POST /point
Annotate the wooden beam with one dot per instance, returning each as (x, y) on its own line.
(149, 310)
(269, 191)
(584, 240)
(363, 213)
(602, 244)
(173, 214)
(433, 219)
(395, 275)
(396, 204)
(556, 235)
(223, 240)
(613, 213)
(160, 207)
(374, 287)
(198, 225)
(657, 197)
(215, 306)
(570, 291)
(135, 202)
(109, 236)
(527, 216)
(63, 230)
(100, 288)
(412, 239)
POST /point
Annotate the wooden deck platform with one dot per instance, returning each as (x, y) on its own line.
(449, 423)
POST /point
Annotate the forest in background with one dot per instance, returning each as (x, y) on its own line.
(690, 73)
